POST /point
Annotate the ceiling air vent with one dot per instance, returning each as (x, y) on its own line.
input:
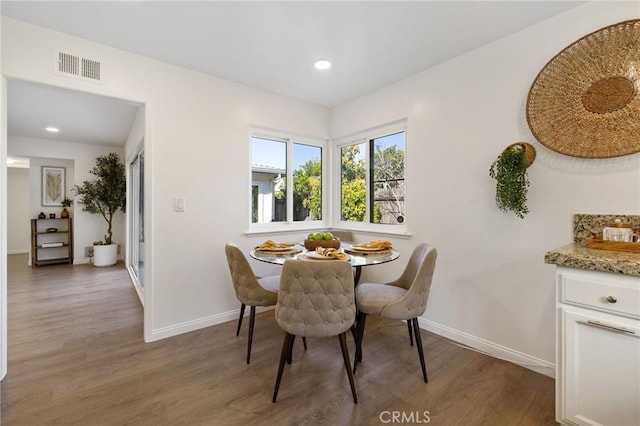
(68, 63)
(90, 69)
(75, 66)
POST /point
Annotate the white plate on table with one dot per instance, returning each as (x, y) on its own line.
(367, 249)
(318, 256)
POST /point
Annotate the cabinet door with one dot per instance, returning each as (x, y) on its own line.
(600, 368)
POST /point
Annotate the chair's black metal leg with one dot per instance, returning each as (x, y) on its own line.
(347, 365)
(290, 357)
(304, 342)
(242, 306)
(410, 332)
(354, 332)
(362, 318)
(252, 320)
(416, 332)
(356, 278)
(286, 348)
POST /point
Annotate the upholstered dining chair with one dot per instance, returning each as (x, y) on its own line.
(343, 235)
(316, 299)
(402, 299)
(250, 290)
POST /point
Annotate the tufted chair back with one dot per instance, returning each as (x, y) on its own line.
(416, 279)
(248, 290)
(343, 235)
(316, 298)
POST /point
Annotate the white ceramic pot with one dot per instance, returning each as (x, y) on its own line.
(106, 255)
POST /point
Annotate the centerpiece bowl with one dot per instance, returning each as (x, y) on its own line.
(313, 244)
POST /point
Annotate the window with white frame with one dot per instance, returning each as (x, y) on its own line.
(372, 177)
(286, 180)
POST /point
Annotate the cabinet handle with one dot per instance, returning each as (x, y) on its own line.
(612, 299)
(610, 328)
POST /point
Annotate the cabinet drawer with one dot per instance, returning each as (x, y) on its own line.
(621, 297)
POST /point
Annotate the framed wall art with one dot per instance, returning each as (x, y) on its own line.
(53, 186)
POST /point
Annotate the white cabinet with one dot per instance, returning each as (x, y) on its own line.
(598, 348)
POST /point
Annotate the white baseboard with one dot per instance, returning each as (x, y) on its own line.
(476, 343)
(490, 348)
(188, 326)
(18, 251)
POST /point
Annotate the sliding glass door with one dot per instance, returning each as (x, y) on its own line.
(136, 218)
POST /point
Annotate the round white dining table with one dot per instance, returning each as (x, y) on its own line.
(356, 258)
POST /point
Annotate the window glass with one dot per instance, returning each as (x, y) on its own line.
(372, 179)
(286, 180)
(268, 179)
(255, 191)
(353, 190)
(307, 182)
(387, 177)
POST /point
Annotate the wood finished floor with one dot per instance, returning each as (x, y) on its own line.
(77, 357)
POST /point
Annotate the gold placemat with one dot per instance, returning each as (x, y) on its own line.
(293, 250)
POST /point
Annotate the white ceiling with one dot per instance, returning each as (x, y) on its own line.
(81, 117)
(268, 45)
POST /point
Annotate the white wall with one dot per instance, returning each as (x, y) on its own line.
(136, 134)
(491, 282)
(3, 224)
(18, 228)
(491, 287)
(196, 142)
(78, 159)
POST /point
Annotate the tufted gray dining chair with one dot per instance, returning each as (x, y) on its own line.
(343, 235)
(402, 299)
(316, 299)
(250, 290)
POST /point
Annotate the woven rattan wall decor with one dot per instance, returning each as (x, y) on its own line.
(585, 102)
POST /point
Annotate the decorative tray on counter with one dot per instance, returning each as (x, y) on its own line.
(598, 243)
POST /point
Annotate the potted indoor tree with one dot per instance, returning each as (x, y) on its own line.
(104, 195)
(510, 172)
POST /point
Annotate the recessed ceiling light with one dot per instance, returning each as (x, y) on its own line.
(322, 64)
(52, 129)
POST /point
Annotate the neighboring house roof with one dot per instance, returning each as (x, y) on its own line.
(260, 168)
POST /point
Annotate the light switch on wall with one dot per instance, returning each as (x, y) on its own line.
(178, 204)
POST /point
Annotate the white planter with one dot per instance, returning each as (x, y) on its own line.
(106, 255)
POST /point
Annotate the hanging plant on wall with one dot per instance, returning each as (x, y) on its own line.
(510, 172)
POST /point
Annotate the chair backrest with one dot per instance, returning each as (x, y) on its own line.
(245, 283)
(343, 235)
(316, 298)
(416, 279)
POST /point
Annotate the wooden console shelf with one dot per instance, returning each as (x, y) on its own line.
(51, 241)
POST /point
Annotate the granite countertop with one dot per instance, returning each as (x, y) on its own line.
(578, 256)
